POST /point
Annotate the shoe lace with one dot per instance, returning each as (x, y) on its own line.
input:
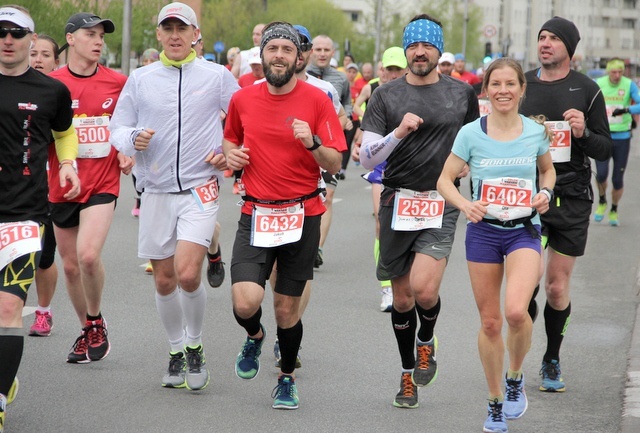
(495, 411)
(407, 385)
(284, 387)
(424, 353)
(176, 364)
(41, 320)
(513, 389)
(80, 345)
(96, 333)
(550, 370)
(194, 359)
(250, 349)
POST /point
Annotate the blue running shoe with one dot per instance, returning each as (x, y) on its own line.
(495, 422)
(285, 394)
(551, 377)
(247, 362)
(515, 401)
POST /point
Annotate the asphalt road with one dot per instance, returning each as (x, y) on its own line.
(351, 366)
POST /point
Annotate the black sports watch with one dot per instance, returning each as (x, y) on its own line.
(317, 142)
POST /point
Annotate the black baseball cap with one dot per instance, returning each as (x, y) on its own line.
(85, 20)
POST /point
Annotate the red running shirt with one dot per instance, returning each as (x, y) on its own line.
(96, 95)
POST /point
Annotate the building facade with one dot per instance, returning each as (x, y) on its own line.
(608, 28)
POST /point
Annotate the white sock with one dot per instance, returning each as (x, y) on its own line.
(44, 309)
(170, 312)
(194, 305)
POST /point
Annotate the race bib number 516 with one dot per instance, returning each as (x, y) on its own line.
(18, 239)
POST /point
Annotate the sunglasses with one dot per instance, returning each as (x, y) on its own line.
(307, 46)
(16, 33)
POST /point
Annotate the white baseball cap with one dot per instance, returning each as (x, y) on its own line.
(180, 11)
(447, 57)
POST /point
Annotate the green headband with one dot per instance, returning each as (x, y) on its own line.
(613, 65)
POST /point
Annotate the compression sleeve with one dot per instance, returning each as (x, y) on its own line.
(375, 148)
(66, 144)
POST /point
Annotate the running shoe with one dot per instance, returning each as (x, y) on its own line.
(551, 377)
(285, 394)
(248, 362)
(340, 175)
(515, 401)
(407, 396)
(495, 422)
(600, 210)
(215, 271)
(426, 369)
(78, 354)
(42, 325)
(148, 269)
(613, 218)
(276, 353)
(135, 212)
(387, 300)
(13, 391)
(228, 172)
(197, 373)
(175, 377)
(98, 342)
(319, 259)
(3, 411)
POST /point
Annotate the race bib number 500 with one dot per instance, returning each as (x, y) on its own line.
(272, 227)
(413, 210)
(93, 136)
(18, 239)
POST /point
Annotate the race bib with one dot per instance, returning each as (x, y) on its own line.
(93, 136)
(413, 210)
(509, 198)
(18, 239)
(560, 147)
(275, 226)
(206, 195)
(614, 120)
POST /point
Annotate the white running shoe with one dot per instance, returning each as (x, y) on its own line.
(387, 300)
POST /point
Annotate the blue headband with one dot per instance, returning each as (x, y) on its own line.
(423, 31)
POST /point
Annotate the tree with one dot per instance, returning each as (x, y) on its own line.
(231, 21)
(51, 17)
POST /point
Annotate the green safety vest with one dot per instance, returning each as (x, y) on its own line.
(618, 96)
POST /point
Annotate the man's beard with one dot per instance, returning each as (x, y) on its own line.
(278, 80)
(422, 71)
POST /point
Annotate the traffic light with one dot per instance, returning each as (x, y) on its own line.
(487, 53)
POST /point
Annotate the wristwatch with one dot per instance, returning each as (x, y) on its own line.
(548, 192)
(317, 142)
(586, 133)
